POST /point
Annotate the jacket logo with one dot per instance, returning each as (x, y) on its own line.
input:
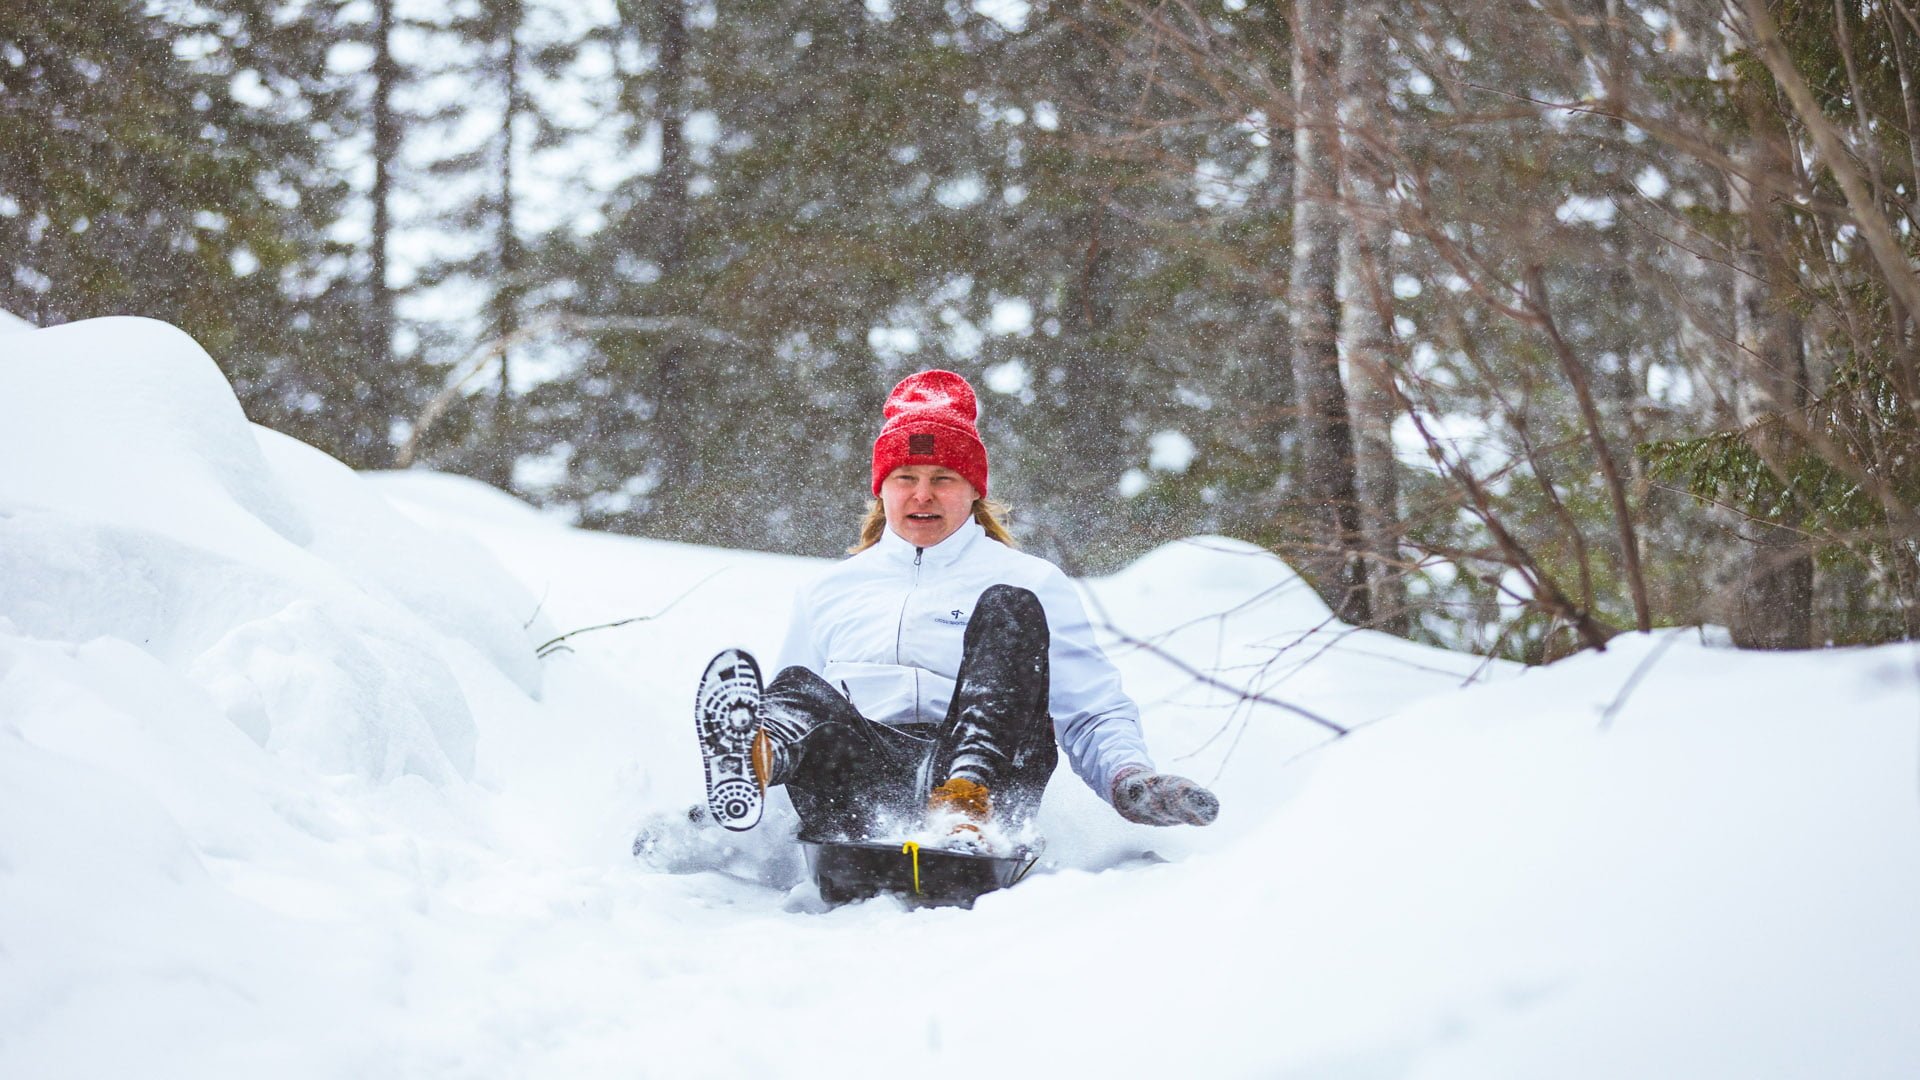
(951, 618)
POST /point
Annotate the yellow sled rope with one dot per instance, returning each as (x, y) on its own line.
(913, 849)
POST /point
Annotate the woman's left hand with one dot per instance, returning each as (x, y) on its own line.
(1151, 798)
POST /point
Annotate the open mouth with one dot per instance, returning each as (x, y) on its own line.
(923, 517)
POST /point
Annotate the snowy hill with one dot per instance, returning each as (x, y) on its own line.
(285, 791)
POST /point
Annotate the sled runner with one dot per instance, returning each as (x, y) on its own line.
(851, 870)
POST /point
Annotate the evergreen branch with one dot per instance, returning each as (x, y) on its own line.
(1882, 243)
(1732, 509)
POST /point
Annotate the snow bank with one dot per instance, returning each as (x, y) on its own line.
(1666, 860)
(138, 504)
(128, 421)
(444, 498)
(236, 689)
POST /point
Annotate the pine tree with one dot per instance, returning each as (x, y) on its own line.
(174, 163)
(138, 181)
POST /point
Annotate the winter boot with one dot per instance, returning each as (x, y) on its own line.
(959, 808)
(738, 756)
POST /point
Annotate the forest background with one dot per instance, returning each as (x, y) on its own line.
(1512, 325)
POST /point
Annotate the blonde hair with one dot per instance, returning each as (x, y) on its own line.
(984, 512)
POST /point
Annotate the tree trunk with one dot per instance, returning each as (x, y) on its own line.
(1094, 399)
(386, 151)
(675, 413)
(1771, 606)
(1366, 269)
(502, 446)
(1334, 555)
(1267, 388)
(1081, 376)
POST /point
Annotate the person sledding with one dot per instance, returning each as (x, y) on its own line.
(929, 682)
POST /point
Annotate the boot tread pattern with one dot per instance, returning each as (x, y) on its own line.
(724, 711)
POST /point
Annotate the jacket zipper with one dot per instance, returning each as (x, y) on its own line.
(900, 632)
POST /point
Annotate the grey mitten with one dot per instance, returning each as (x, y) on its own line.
(1152, 798)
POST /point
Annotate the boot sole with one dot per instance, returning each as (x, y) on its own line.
(724, 720)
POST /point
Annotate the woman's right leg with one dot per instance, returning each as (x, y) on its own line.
(848, 777)
(998, 735)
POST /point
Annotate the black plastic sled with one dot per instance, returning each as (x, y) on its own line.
(849, 870)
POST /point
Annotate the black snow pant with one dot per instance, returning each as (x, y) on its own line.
(852, 778)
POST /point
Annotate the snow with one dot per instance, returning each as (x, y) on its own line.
(285, 791)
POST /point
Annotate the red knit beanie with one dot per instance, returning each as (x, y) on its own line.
(930, 422)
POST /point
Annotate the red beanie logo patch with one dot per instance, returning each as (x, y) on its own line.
(920, 445)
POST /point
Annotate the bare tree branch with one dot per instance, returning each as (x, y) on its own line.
(1536, 299)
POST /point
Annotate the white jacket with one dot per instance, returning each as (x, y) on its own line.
(887, 626)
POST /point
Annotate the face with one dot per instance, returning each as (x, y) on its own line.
(926, 503)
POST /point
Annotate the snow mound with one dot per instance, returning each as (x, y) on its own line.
(455, 496)
(138, 504)
(1202, 576)
(123, 420)
(442, 576)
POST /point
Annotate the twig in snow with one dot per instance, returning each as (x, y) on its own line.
(548, 648)
(1633, 680)
(528, 625)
